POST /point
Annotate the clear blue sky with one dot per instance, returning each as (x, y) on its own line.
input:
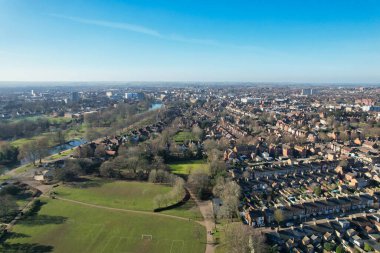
(194, 40)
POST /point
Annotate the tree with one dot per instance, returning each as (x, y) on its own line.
(74, 166)
(152, 176)
(209, 145)
(279, 216)
(158, 201)
(217, 167)
(28, 152)
(176, 194)
(8, 153)
(65, 175)
(158, 163)
(219, 186)
(60, 137)
(243, 239)
(214, 155)
(42, 147)
(200, 183)
(8, 207)
(229, 192)
(161, 176)
(107, 170)
(197, 132)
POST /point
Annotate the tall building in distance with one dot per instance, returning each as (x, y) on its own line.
(134, 95)
(308, 92)
(75, 97)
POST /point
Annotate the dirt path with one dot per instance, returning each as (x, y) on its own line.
(207, 212)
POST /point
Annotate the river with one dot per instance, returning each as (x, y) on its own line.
(53, 150)
(155, 106)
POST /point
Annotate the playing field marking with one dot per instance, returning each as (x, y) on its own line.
(107, 250)
(120, 239)
(94, 238)
(177, 241)
(118, 243)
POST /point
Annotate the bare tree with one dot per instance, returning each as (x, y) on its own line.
(28, 152)
(229, 192)
(243, 239)
(197, 132)
(60, 137)
(200, 183)
(42, 147)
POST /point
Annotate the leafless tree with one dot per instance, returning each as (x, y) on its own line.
(243, 239)
(28, 152)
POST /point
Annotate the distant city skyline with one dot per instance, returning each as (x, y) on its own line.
(206, 41)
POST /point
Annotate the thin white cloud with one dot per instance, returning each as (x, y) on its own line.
(171, 37)
(114, 25)
(137, 29)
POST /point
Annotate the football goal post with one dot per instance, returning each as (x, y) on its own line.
(146, 237)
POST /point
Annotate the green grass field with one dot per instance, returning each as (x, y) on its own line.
(185, 168)
(62, 226)
(188, 210)
(119, 194)
(23, 141)
(184, 136)
(125, 195)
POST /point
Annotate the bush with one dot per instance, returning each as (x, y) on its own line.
(161, 176)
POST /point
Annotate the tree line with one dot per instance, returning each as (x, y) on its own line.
(28, 128)
(8, 154)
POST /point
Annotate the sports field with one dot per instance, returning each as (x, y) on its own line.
(62, 226)
(119, 194)
(185, 168)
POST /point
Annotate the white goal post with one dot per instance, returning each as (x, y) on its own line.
(146, 237)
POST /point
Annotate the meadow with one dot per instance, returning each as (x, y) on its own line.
(125, 195)
(62, 225)
(184, 136)
(118, 194)
(185, 168)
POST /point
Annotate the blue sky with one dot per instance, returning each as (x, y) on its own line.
(192, 40)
